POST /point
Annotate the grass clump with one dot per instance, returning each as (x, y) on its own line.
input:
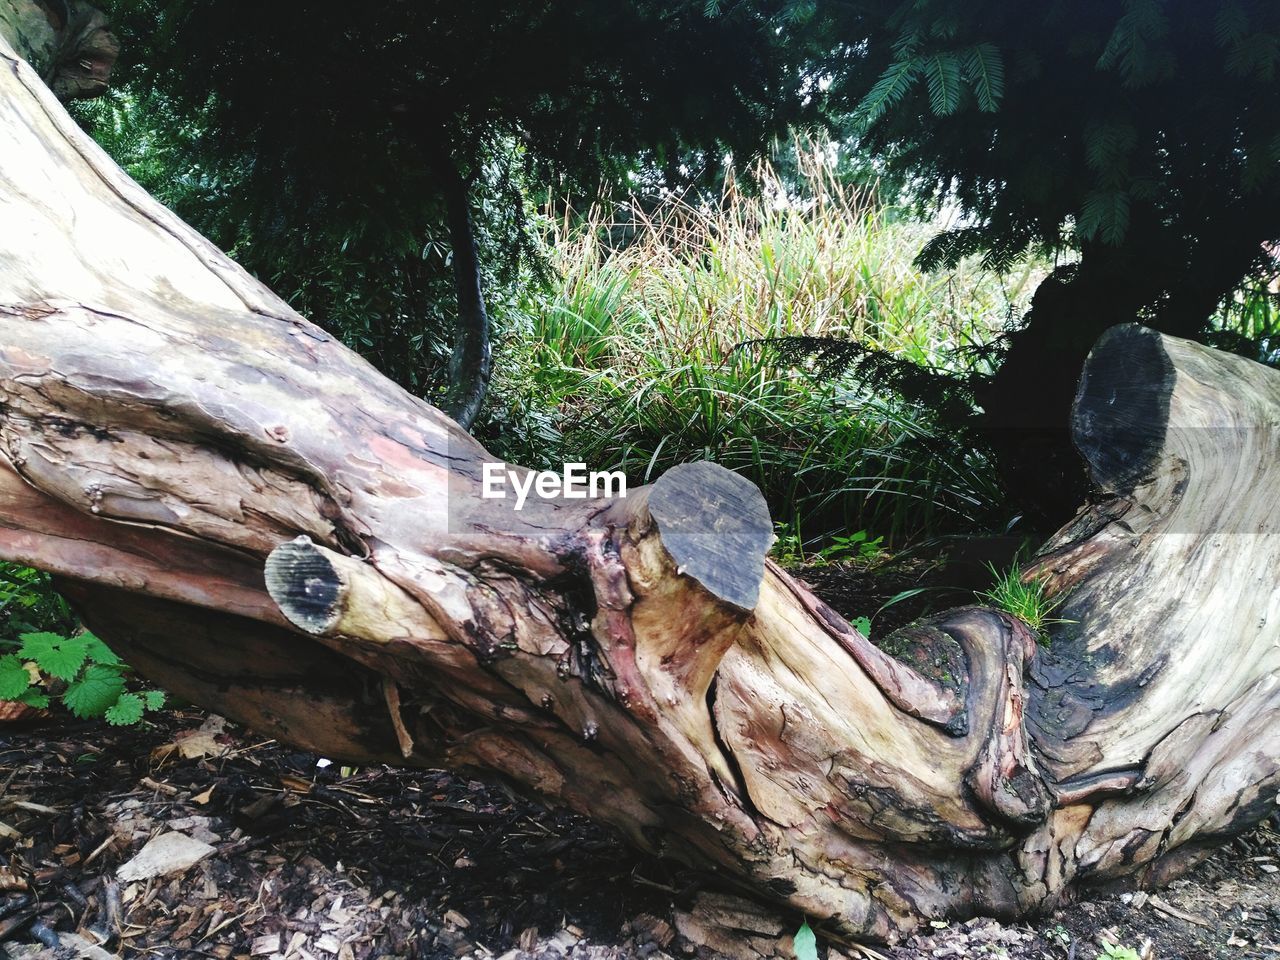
(1027, 598)
(635, 360)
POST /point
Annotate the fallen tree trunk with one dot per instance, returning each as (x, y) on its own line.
(256, 519)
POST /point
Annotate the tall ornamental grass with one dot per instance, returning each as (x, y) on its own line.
(636, 360)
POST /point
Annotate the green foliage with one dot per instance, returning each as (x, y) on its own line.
(29, 603)
(853, 546)
(648, 354)
(97, 690)
(92, 677)
(47, 656)
(317, 147)
(1248, 322)
(14, 679)
(59, 657)
(1140, 135)
(126, 711)
(806, 943)
(1117, 952)
(1028, 599)
(952, 78)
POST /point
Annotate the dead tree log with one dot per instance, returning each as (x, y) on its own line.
(256, 519)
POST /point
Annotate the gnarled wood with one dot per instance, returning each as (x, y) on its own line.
(261, 522)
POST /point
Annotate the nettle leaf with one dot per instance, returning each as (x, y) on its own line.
(95, 692)
(154, 699)
(126, 711)
(35, 697)
(806, 944)
(99, 652)
(58, 656)
(14, 679)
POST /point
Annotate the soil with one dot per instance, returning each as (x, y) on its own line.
(305, 859)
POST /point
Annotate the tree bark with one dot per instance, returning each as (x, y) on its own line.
(255, 518)
(66, 41)
(1173, 280)
(471, 363)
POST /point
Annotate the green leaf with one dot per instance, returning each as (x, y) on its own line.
(1230, 24)
(95, 692)
(126, 711)
(1107, 145)
(1105, 214)
(984, 69)
(99, 652)
(942, 76)
(863, 626)
(35, 697)
(60, 657)
(893, 84)
(1136, 46)
(154, 699)
(806, 944)
(14, 679)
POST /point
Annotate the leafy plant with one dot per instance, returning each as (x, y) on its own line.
(46, 655)
(29, 602)
(1026, 598)
(90, 677)
(853, 546)
(787, 549)
(1116, 952)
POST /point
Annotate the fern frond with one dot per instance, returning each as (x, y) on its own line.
(1133, 47)
(984, 69)
(1106, 145)
(1230, 24)
(1007, 249)
(888, 91)
(1257, 55)
(942, 76)
(947, 249)
(1105, 214)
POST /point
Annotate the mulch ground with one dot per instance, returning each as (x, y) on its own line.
(310, 861)
(293, 857)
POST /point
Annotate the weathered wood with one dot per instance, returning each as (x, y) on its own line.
(67, 41)
(1159, 703)
(262, 523)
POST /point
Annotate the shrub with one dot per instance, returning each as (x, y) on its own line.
(636, 360)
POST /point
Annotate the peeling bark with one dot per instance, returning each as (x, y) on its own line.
(258, 520)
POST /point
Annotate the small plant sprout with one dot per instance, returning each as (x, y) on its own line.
(1026, 598)
(854, 546)
(806, 944)
(1111, 951)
